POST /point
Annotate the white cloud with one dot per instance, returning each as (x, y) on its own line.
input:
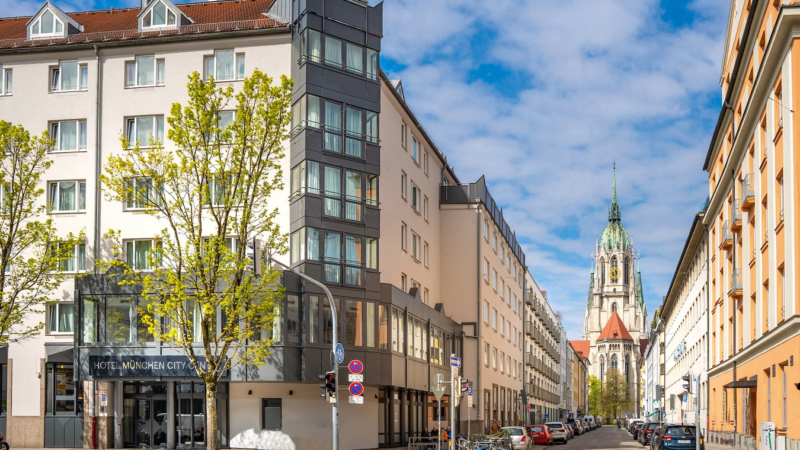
(592, 81)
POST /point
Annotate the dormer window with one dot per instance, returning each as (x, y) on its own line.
(47, 25)
(159, 16)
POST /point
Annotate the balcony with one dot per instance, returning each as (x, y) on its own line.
(529, 328)
(748, 191)
(529, 359)
(736, 283)
(726, 240)
(736, 216)
(537, 308)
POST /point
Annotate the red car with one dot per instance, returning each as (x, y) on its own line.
(540, 434)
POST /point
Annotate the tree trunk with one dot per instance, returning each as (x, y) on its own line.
(212, 440)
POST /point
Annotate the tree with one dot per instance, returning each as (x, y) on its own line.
(211, 188)
(30, 250)
(595, 392)
(614, 399)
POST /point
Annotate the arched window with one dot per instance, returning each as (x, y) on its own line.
(614, 307)
(626, 270)
(627, 369)
(614, 361)
(602, 368)
(602, 271)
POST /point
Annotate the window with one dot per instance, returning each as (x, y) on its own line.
(508, 296)
(371, 127)
(403, 184)
(159, 16)
(486, 354)
(69, 76)
(494, 358)
(47, 25)
(494, 319)
(494, 242)
(502, 288)
(142, 194)
(144, 71)
(425, 162)
(69, 135)
(61, 318)
(140, 130)
(414, 149)
(486, 311)
(502, 325)
(138, 254)
(414, 197)
(486, 270)
(225, 65)
(6, 81)
(425, 207)
(784, 405)
(494, 280)
(304, 244)
(372, 190)
(404, 282)
(425, 296)
(403, 236)
(372, 253)
(425, 254)
(403, 133)
(74, 261)
(414, 245)
(271, 413)
(332, 256)
(372, 64)
(502, 361)
(67, 196)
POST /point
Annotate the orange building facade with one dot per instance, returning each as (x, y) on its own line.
(754, 329)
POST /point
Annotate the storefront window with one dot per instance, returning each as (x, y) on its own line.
(90, 320)
(271, 413)
(119, 311)
(60, 389)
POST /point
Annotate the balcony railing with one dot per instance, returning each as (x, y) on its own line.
(529, 329)
(736, 281)
(347, 273)
(727, 237)
(736, 215)
(748, 190)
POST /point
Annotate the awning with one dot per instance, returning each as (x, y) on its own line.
(654, 412)
(59, 353)
(741, 384)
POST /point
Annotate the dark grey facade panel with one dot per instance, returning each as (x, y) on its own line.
(347, 12)
(63, 431)
(340, 30)
(374, 42)
(375, 22)
(342, 87)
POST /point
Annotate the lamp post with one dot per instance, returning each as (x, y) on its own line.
(334, 342)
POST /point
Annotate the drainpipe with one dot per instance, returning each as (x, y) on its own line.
(480, 320)
(708, 314)
(97, 215)
(524, 338)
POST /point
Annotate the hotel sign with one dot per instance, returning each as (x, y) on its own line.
(143, 366)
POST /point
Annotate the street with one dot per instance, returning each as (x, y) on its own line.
(607, 437)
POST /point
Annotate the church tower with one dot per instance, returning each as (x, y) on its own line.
(615, 321)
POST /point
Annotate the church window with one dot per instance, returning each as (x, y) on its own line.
(626, 270)
(614, 362)
(614, 273)
(614, 307)
(602, 271)
(602, 368)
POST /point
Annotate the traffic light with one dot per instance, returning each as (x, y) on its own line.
(687, 383)
(254, 253)
(329, 385)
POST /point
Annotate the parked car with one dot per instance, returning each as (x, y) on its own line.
(632, 423)
(636, 428)
(647, 431)
(559, 431)
(570, 431)
(576, 426)
(675, 437)
(540, 434)
(519, 438)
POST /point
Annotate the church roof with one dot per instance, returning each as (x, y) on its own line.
(615, 329)
(643, 346)
(581, 348)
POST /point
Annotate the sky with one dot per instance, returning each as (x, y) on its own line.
(540, 96)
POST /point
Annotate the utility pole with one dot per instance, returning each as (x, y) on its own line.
(334, 343)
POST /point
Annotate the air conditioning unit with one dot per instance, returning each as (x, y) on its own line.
(767, 436)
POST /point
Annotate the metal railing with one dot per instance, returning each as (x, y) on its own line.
(736, 279)
(748, 187)
(121, 35)
(726, 231)
(736, 211)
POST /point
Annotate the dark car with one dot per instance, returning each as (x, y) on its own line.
(675, 437)
(636, 429)
(647, 431)
(577, 429)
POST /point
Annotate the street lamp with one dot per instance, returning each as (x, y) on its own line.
(335, 342)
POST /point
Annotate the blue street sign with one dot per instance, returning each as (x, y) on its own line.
(685, 398)
(545, 416)
(339, 352)
(455, 361)
(469, 391)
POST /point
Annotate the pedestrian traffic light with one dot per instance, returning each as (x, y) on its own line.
(687, 383)
(329, 385)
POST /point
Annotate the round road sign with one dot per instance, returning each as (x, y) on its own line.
(356, 388)
(339, 353)
(355, 366)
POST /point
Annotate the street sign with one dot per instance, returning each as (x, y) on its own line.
(357, 399)
(356, 388)
(438, 387)
(339, 353)
(455, 361)
(355, 366)
(469, 397)
(685, 398)
(351, 377)
(469, 391)
(528, 407)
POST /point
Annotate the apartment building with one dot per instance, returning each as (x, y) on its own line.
(653, 395)
(685, 328)
(752, 242)
(579, 383)
(543, 379)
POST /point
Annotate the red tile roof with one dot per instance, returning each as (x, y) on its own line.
(615, 329)
(643, 346)
(581, 348)
(121, 24)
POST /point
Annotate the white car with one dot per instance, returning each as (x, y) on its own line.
(558, 430)
(519, 439)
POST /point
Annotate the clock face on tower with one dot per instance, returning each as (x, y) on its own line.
(614, 274)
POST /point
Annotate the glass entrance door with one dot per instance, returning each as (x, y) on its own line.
(144, 423)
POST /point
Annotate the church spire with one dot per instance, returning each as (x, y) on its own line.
(614, 211)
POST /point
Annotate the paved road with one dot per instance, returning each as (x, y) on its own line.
(607, 437)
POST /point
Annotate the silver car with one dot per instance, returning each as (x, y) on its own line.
(519, 439)
(558, 430)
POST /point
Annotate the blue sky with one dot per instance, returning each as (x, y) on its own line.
(540, 96)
